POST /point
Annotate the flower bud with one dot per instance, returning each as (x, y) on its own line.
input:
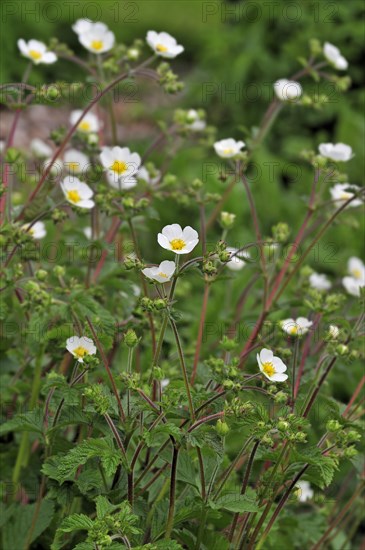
(342, 349)
(333, 426)
(350, 452)
(227, 220)
(228, 344)
(282, 425)
(333, 331)
(32, 286)
(41, 275)
(130, 338)
(59, 271)
(222, 428)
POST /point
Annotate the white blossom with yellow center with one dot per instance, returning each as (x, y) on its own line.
(77, 192)
(80, 347)
(178, 240)
(333, 55)
(95, 37)
(304, 491)
(75, 161)
(319, 281)
(287, 90)
(271, 366)
(89, 123)
(339, 152)
(356, 278)
(296, 327)
(37, 230)
(121, 166)
(161, 273)
(36, 51)
(163, 44)
(342, 192)
(228, 148)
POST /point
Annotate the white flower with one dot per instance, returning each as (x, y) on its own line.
(164, 383)
(356, 268)
(228, 148)
(81, 26)
(75, 161)
(97, 38)
(163, 44)
(296, 327)
(319, 281)
(336, 151)
(352, 285)
(272, 367)
(121, 166)
(333, 55)
(40, 149)
(341, 192)
(237, 262)
(77, 192)
(80, 347)
(178, 240)
(88, 232)
(304, 491)
(287, 90)
(143, 174)
(36, 51)
(88, 124)
(161, 273)
(194, 122)
(334, 331)
(37, 230)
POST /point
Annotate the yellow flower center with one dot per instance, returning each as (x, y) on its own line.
(119, 167)
(85, 126)
(35, 55)
(346, 196)
(294, 330)
(73, 196)
(161, 48)
(177, 244)
(268, 368)
(228, 151)
(356, 273)
(80, 351)
(73, 166)
(97, 45)
(163, 275)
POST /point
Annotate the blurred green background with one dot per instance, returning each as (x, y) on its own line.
(234, 51)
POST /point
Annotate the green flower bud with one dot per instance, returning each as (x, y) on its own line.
(227, 220)
(228, 344)
(342, 349)
(282, 425)
(333, 426)
(11, 155)
(130, 338)
(32, 286)
(41, 275)
(350, 452)
(160, 304)
(197, 184)
(222, 428)
(301, 437)
(353, 436)
(93, 139)
(59, 271)
(281, 232)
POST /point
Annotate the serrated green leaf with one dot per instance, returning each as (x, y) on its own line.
(236, 503)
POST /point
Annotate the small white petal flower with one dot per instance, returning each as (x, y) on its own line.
(143, 174)
(238, 260)
(304, 491)
(296, 327)
(37, 230)
(163, 44)
(89, 123)
(228, 148)
(81, 26)
(287, 90)
(40, 149)
(319, 281)
(333, 55)
(194, 122)
(352, 285)
(88, 232)
(75, 161)
(121, 166)
(178, 240)
(36, 51)
(271, 366)
(334, 331)
(79, 347)
(161, 273)
(77, 192)
(356, 268)
(97, 38)
(341, 192)
(339, 152)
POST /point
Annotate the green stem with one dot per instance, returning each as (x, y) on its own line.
(183, 368)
